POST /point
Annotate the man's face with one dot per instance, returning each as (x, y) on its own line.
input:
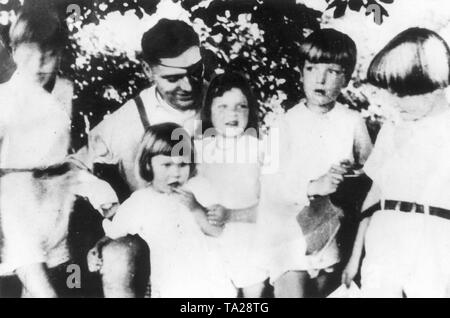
(37, 65)
(179, 80)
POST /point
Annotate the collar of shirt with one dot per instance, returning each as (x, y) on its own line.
(161, 105)
(324, 116)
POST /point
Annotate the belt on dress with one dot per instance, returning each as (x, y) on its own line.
(39, 172)
(407, 207)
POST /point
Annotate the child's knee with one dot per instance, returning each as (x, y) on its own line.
(125, 252)
(126, 262)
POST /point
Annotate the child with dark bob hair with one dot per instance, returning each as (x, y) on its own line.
(221, 84)
(229, 161)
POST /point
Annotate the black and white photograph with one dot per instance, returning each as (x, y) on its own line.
(224, 149)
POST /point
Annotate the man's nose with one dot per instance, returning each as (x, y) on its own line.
(186, 84)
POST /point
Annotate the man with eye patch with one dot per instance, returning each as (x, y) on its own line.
(172, 61)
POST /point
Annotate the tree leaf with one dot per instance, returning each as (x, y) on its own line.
(355, 5)
(340, 10)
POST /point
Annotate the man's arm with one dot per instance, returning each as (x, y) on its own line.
(99, 147)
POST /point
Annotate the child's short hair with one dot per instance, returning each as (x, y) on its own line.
(40, 25)
(167, 39)
(219, 85)
(167, 139)
(329, 46)
(415, 62)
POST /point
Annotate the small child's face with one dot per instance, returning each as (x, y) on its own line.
(169, 172)
(229, 113)
(39, 66)
(323, 82)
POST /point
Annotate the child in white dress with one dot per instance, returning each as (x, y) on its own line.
(406, 220)
(229, 167)
(182, 258)
(318, 139)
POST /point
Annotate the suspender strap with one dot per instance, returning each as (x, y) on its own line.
(142, 112)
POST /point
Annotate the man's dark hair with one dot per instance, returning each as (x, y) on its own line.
(167, 39)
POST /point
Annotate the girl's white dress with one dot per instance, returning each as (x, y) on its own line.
(308, 145)
(410, 252)
(229, 174)
(183, 260)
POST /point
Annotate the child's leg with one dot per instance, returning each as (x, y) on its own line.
(253, 291)
(291, 284)
(126, 267)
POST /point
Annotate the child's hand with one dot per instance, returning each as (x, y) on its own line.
(328, 183)
(94, 260)
(350, 271)
(187, 198)
(109, 209)
(217, 215)
(214, 230)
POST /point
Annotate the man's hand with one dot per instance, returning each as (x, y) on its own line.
(217, 215)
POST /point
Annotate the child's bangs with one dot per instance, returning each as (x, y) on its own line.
(180, 146)
(411, 67)
(162, 147)
(326, 54)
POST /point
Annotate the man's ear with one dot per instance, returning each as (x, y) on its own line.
(147, 70)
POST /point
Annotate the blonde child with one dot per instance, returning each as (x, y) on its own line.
(37, 186)
(319, 140)
(405, 228)
(229, 169)
(168, 218)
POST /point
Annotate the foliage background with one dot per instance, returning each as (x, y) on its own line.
(259, 37)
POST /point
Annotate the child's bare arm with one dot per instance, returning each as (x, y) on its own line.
(362, 146)
(35, 280)
(205, 225)
(199, 213)
(350, 271)
(352, 267)
(220, 215)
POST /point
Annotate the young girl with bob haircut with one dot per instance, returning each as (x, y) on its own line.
(320, 140)
(169, 219)
(229, 167)
(405, 228)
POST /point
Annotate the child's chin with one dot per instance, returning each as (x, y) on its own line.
(233, 132)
